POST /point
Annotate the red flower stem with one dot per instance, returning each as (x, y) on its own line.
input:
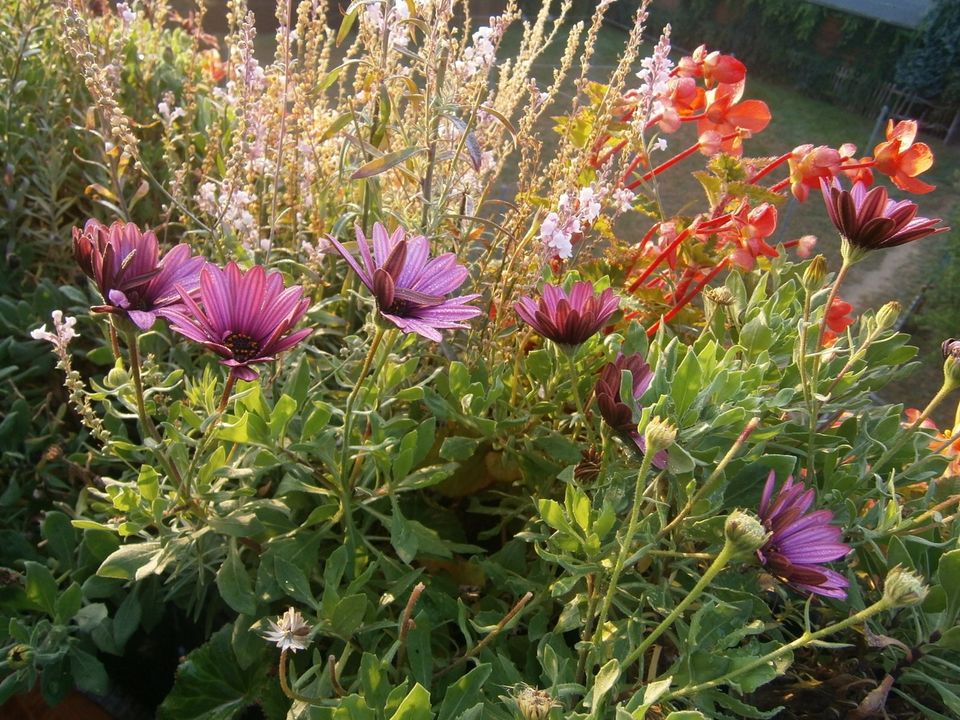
(653, 121)
(691, 118)
(780, 185)
(613, 151)
(858, 166)
(672, 161)
(637, 160)
(769, 168)
(227, 389)
(686, 300)
(641, 245)
(659, 258)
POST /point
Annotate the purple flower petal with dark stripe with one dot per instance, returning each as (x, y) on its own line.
(245, 317)
(409, 287)
(568, 319)
(800, 541)
(615, 412)
(133, 280)
(870, 220)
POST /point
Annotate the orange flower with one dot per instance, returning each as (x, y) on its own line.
(808, 164)
(726, 114)
(747, 232)
(837, 320)
(714, 67)
(902, 159)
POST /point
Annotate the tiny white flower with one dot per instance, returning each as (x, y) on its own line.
(63, 331)
(290, 632)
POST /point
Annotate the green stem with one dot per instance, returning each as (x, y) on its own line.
(627, 540)
(804, 639)
(575, 389)
(711, 481)
(844, 269)
(903, 437)
(719, 563)
(147, 422)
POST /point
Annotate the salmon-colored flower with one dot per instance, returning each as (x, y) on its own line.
(726, 113)
(902, 159)
(837, 320)
(714, 67)
(748, 231)
(808, 164)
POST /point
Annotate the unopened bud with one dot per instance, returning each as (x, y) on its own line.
(887, 315)
(534, 704)
(19, 656)
(903, 587)
(659, 434)
(117, 377)
(815, 274)
(951, 361)
(744, 531)
(722, 296)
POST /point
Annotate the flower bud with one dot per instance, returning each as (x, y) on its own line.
(951, 361)
(903, 588)
(744, 531)
(534, 704)
(887, 315)
(19, 656)
(117, 377)
(815, 274)
(659, 434)
(722, 296)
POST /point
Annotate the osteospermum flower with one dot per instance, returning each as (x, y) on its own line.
(800, 540)
(133, 280)
(245, 317)
(568, 319)
(615, 412)
(409, 287)
(290, 632)
(870, 220)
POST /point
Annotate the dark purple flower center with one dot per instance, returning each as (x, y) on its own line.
(242, 346)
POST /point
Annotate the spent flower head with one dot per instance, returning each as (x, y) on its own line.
(744, 531)
(410, 288)
(659, 434)
(289, 632)
(800, 541)
(132, 278)
(244, 317)
(903, 588)
(534, 704)
(568, 319)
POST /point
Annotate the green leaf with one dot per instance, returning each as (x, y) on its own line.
(131, 562)
(687, 715)
(127, 619)
(948, 576)
(374, 681)
(211, 685)
(415, 706)
(384, 162)
(348, 615)
(88, 672)
(685, 385)
(464, 693)
(293, 581)
(280, 415)
(458, 448)
(61, 537)
(349, 18)
(354, 707)
(68, 604)
(41, 588)
(604, 682)
(756, 336)
(234, 584)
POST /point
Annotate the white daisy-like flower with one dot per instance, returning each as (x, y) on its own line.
(290, 632)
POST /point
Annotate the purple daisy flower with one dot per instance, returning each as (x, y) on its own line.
(409, 287)
(799, 540)
(568, 319)
(615, 412)
(125, 264)
(870, 220)
(245, 317)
